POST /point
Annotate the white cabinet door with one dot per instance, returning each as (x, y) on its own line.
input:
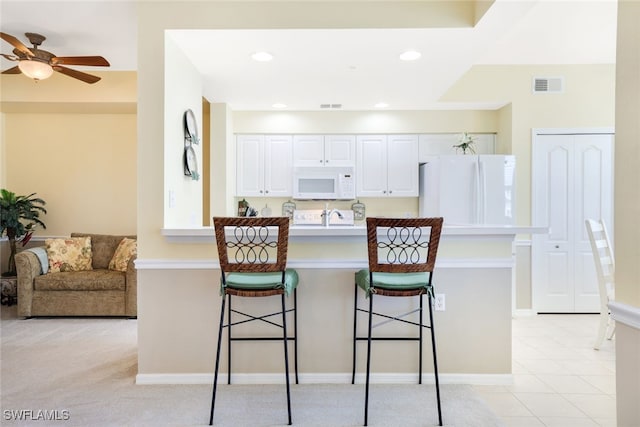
(308, 150)
(264, 166)
(249, 165)
(387, 166)
(340, 150)
(278, 168)
(571, 181)
(371, 166)
(402, 165)
(324, 150)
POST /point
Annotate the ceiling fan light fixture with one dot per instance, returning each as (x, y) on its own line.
(34, 69)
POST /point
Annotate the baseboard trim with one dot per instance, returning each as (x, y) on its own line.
(524, 312)
(326, 378)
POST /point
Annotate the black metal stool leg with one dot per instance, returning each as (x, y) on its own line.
(295, 331)
(215, 375)
(366, 392)
(435, 361)
(229, 344)
(420, 341)
(355, 330)
(286, 357)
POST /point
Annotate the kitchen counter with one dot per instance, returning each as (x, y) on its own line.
(475, 270)
(203, 234)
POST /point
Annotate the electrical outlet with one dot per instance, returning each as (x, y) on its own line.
(439, 302)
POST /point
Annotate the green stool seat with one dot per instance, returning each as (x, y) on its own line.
(262, 281)
(392, 281)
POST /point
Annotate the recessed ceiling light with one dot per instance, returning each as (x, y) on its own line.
(262, 56)
(410, 55)
(279, 105)
(381, 105)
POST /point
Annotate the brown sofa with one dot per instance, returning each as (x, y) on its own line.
(97, 292)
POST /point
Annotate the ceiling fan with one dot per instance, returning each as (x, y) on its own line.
(39, 64)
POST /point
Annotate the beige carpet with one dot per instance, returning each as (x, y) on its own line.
(82, 371)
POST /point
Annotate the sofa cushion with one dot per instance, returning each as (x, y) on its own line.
(125, 250)
(69, 254)
(103, 247)
(95, 280)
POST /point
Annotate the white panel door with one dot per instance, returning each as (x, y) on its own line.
(250, 165)
(593, 199)
(571, 181)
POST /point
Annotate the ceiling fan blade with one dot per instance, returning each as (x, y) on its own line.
(96, 61)
(13, 70)
(87, 78)
(10, 57)
(16, 43)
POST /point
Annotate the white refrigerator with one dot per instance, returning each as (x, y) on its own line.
(469, 190)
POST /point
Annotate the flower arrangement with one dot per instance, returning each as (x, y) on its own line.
(466, 143)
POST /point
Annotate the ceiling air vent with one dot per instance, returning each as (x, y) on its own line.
(330, 106)
(548, 84)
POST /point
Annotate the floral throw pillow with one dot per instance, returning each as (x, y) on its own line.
(69, 254)
(125, 250)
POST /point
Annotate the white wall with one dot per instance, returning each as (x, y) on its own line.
(183, 91)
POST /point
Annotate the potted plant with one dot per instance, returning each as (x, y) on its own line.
(466, 143)
(19, 217)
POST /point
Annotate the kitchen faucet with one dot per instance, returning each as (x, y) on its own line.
(326, 214)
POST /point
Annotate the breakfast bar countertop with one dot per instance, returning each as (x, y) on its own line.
(202, 234)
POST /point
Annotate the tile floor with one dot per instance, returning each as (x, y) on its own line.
(559, 379)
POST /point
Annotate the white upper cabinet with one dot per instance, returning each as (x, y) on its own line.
(402, 167)
(387, 166)
(340, 150)
(264, 165)
(437, 144)
(324, 150)
(250, 165)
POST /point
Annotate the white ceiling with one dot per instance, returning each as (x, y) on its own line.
(355, 68)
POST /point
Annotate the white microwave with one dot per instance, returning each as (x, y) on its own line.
(324, 183)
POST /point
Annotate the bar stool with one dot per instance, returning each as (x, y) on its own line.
(253, 258)
(402, 256)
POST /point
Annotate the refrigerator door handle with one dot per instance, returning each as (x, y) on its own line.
(483, 192)
(478, 195)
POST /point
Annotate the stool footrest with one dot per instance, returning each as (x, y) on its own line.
(388, 339)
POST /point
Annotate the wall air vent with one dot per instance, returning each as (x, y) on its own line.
(548, 84)
(330, 106)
